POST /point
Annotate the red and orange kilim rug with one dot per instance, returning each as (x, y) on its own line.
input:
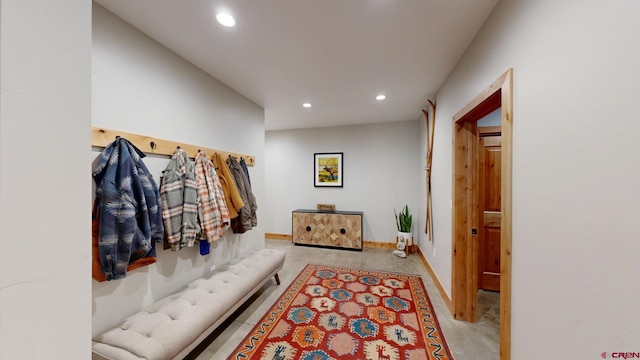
(331, 313)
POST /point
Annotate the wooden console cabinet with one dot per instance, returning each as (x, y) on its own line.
(337, 229)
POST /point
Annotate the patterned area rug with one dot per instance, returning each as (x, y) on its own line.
(331, 312)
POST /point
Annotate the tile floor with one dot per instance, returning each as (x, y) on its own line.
(473, 341)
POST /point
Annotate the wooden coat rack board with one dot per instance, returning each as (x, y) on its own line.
(102, 137)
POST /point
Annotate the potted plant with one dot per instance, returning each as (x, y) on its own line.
(403, 223)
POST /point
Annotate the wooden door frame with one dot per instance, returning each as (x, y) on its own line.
(466, 209)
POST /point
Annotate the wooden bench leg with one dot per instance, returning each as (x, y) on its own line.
(277, 278)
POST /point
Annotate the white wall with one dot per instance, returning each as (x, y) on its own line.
(381, 168)
(45, 191)
(575, 174)
(141, 87)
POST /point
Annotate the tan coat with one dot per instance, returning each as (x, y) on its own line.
(231, 193)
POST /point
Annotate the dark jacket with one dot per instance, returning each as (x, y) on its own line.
(129, 205)
(247, 216)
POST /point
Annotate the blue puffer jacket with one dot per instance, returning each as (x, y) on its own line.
(130, 211)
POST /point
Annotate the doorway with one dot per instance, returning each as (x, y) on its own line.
(467, 214)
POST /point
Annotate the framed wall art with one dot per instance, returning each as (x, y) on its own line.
(327, 170)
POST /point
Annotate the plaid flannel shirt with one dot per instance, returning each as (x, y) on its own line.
(212, 208)
(179, 196)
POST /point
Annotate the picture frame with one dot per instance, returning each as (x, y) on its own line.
(327, 169)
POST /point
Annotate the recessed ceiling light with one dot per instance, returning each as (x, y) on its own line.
(307, 105)
(381, 97)
(226, 19)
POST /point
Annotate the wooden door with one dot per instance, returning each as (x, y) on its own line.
(490, 155)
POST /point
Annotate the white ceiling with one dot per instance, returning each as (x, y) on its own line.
(336, 54)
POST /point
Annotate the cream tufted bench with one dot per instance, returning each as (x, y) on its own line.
(176, 324)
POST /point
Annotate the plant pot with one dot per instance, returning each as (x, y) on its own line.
(407, 236)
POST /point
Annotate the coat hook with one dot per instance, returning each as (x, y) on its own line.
(178, 147)
(117, 137)
(153, 145)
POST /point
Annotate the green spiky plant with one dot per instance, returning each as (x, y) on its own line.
(403, 220)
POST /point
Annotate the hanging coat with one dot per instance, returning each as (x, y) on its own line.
(96, 270)
(231, 194)
(213, 213)
(247, 216)
(179, 196)
(129, 206)
(243, 164)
